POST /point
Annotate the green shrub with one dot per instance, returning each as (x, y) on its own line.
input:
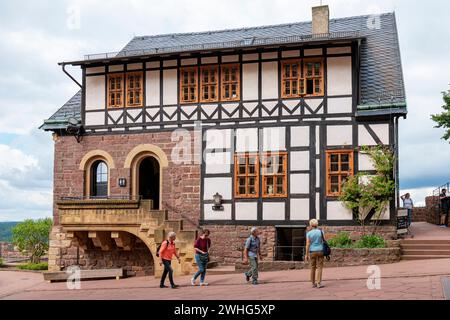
(1, 262)
(34, 266)
(341, 240)
(371, 241)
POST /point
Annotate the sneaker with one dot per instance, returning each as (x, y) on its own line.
(314, 285)
(255, 282)
(174, 286)
(204, 283)
(192, 282)
(319, 285)
(247, 278)
(162, 286)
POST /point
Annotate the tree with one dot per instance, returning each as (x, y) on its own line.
(32, 236)
(443, 119)
(364, 194)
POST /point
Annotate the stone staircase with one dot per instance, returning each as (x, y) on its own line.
(421, 249)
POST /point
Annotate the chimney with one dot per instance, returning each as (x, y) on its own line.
(320, 20)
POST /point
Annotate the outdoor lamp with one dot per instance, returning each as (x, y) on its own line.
(217, 200)
(122, 182)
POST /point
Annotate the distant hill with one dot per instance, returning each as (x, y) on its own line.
(5, 231)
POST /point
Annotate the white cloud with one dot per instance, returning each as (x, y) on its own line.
(418, 195)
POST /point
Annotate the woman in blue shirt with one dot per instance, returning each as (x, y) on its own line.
(314, 253)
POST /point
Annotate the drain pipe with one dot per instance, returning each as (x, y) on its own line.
(69, 75)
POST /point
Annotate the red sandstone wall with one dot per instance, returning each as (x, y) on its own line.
(181, 183)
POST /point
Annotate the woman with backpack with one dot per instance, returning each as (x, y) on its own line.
(315, 252)
(202, 246)
(166, 253)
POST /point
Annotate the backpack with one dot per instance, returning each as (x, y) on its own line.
(159, 247)
(326, 247)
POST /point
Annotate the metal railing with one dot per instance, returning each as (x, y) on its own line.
(247, 42)
(288, 253)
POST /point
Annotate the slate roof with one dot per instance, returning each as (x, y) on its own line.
(381, 71)
(71, 109)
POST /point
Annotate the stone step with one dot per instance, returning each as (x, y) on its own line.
(425, 241)
(426, 252)
(426, 246)
(175, 225)
(424, 257)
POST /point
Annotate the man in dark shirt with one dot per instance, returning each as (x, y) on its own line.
(445, 208)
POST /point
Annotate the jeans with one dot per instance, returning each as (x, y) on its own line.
(167, 270)
(253, 272)
(202, 262)
(409, 217)
(316, 265)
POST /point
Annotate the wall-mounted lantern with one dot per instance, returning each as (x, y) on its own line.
(217, 200)
(122, 182)
(75, 128)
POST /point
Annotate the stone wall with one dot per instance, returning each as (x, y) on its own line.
(180, 182)
(339, 258)
(429, 213)
(228, 241)
(9, 252)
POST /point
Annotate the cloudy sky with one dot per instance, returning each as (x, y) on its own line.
(35, 35)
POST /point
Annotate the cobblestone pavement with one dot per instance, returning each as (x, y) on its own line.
(408, 280)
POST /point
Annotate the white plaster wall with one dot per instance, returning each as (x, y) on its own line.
(95, 70)
(153, 64)
(382, 131)
(317, 140)
(95, 92)
(246, 210)
(385, 215)
(339, 135)
(210, 214)
(218, 162)
(152, 88)
(250, 56)
(364, 162)
(339, 105)
(170, 87)
(218, 139)
(299, 160)
(230, 58)
(290, 53)
(299, 209)
(299, 183)
(339, 50)
(337, 211)
(134, 66)
(170, 63)
(274, 139)
(274, 211)
(247, 140)
(220, 185)
(114, 68)
(317, 205)
(209, 60)
(317, 173)
(300, 137)
(134, 113)
(95, 118)
(364, 137)
(189, 62)
(250, 81)
(339, 76)
(313, 52)
(269, 55)
(270, 80)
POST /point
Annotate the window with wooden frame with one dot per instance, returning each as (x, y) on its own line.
(209, 84)
(230, 82)
(188, 85)
(246, 169)
(115, 90)
(313, 77)
(292, 83)
(339, 168)
(274, 175)
(134, 89)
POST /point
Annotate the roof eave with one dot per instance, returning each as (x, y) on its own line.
(197, 51)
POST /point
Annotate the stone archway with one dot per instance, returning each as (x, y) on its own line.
(138, 156)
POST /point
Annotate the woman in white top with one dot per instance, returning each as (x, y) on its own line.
(408, 204)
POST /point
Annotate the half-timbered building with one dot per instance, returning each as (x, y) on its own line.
(267, 121)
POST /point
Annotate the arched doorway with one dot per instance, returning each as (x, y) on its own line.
(149, 180)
